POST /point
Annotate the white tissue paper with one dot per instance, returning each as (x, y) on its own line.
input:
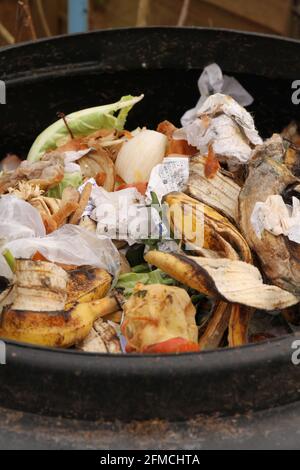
(277, 218)
(224, 124)
(18, 219)
(71, 245)
(124, 215)
(213, 81)
(170, 176)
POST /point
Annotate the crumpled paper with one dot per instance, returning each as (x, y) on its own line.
(71, 245)
(171, 175)
(124, 215)
(213, 81)
(224, 124)
(277, 218)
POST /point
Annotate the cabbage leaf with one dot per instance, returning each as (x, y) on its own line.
(83, 123)
(70, 179)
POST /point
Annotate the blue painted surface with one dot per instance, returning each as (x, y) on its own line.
(78, 16)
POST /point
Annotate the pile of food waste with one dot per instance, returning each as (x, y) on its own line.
(174, 240)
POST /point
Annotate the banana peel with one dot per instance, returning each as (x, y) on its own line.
(231, 281)
(86, 284)
(279, 257)
(221, 239)
(189, 217)
(102, 338)
(217, 326)
(40, 314)
(40, 286)
(220, 192)
(238, 325)
(61, 329)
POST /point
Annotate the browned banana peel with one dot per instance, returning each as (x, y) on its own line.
(187, 217)
(86, 284)
(231, 281)
(60, 329)
(238, 325)
(40, 287)
(220, 192)
(279, 257)
(103, 338)
(7, 297)
(217, 325)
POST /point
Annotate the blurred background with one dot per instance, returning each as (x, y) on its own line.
(31, 19)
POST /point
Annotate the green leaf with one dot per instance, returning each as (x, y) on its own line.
(70, 179)
(83, 123)
(10, 259)
(127, 282)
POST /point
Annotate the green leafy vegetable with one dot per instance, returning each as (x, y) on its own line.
(83, 123)
(142, 268)
(155, 204)
(127, 282)
(70, 179)
(9, 258)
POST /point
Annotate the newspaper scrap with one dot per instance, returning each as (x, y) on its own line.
(277, 218)
(227, 126)
(213, 81)
(170, 176)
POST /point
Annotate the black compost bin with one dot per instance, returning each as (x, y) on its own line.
(68, 73)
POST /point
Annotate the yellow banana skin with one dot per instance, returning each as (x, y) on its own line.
(29, 318)
(220, 235)
(87, 284)
(56, 330)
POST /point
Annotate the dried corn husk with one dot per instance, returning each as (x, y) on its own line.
(232, 281)
(220, 192)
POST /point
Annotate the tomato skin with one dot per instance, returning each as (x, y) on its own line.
(212, 164)
(141, 187)
(171, 346)
(38, 257)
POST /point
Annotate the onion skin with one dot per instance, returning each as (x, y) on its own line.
(140, 155)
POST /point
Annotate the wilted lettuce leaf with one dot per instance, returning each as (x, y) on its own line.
(127, 282)
(70, 179)
(83, 123)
